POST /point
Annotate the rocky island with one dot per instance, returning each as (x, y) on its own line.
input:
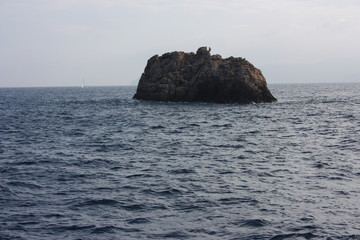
(202, 77)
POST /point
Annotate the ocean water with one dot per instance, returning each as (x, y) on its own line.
(93, 163)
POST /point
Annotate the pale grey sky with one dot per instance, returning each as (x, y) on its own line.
(108, 42)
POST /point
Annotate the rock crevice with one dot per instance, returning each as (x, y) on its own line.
(202, 77)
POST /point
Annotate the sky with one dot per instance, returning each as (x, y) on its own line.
(108, 42)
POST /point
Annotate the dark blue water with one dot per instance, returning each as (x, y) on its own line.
(93, 163)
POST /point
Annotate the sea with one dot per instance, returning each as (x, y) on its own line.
(94, 163)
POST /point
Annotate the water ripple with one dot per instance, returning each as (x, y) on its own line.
(95, 164)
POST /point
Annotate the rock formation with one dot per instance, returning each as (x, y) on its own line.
(202, 77)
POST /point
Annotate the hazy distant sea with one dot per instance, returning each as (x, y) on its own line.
(93, 163)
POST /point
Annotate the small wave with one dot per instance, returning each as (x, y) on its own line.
(307, 219)
(182, 171)
(175, 132)
(130, 230)
(253, 132)
(5, 170)
(350, 237)
(139, 176)
(62, 154)
(98, 202)
(336, 178)
(265, 174)
(157, 127)
(320, 165)
(94, 162)
(254, 223)
(303, 228)
(55, 215)
(308, 235)
(116, 168)
(75, 133)
(250, 152)
(103, 189)
(170, 192)
(106, 229)
(26, 162)
(189, 126)
(230, 201)
(77, 227)
(139, 207)
(134, 207)
(194, 206)
(172, 235)
(4, 189)
(128, 187)
(167, 192)
(226, 125)
(9, 237)
(343, 193)
(235, 146)
(225, 171)
(203, 230)
(24, 185)
(280, 171)
(138, 221)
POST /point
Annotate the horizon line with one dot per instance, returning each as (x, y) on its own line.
(131, 85)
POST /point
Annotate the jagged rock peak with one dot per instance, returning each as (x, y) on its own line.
(202, 77)
(203, 52)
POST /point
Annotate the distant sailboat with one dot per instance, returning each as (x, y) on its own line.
(83, 83)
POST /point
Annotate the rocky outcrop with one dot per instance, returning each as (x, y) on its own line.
(202, 77)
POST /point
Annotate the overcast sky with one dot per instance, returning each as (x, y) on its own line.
(108, 42)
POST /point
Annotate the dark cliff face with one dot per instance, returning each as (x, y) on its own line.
(201, 77)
